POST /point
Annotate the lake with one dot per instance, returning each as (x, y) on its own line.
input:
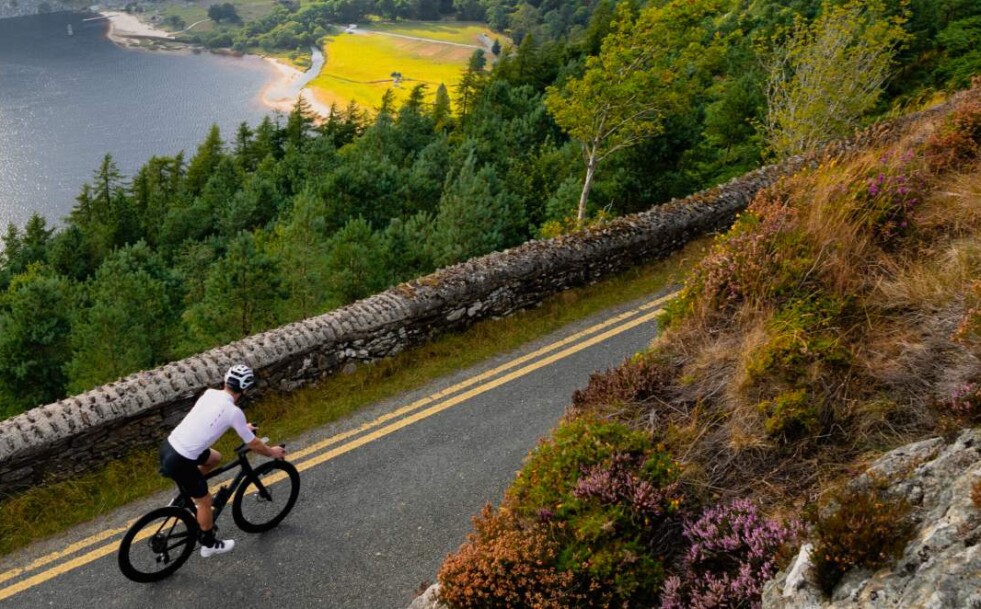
(66, 101)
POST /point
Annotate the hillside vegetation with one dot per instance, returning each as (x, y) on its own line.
(839, 317)
(595, 111)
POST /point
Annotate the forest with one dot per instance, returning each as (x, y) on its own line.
(293, 217)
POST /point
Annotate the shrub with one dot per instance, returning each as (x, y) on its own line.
(976, 494)
(504, 564)
(965, 403)
(791, 415)
(635, 382)
(765, 256)
(867, 528)
(593, 511)
(731, 555)
(969, 330)
(888, 196)
(805, 343)
(958, 141)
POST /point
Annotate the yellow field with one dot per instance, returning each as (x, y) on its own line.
(358, 66)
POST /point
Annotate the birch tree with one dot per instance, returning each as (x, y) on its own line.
(828, 74)
(626, 90)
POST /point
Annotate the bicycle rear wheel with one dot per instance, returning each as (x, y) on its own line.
(266, 496)
(157, 544)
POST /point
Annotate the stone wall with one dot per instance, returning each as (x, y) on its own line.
(83, 432)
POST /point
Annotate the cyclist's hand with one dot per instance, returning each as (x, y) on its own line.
(253, 428)
(277, 452)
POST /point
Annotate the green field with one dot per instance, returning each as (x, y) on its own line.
(359, 65)
(192, 12)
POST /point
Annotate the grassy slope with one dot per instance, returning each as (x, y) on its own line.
(820, 331)
(834, 321)
(248, 10)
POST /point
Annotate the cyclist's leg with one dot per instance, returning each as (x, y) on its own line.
(209, 462)
(205, 517)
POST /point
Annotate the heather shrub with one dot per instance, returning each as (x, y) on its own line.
(610, 498)
(965, 403)
(958, 141)
(504, 564)
(632, 383)
(764, 256)
(866, 528)
(731, 554)
(888, 196)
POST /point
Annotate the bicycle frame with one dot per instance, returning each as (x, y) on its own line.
(227, 491)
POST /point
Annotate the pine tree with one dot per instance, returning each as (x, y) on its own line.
(242, 294)
(35, 322)
(126, 325)
(476, 216)
(354, 262)
(204, 162)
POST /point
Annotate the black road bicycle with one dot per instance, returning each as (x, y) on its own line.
(162, 540)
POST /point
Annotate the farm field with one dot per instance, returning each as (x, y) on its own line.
(197, 10)
(359, 65)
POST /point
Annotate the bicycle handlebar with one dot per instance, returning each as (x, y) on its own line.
(243, 449)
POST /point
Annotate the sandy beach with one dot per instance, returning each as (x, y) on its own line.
(125, 29)
(282, 93)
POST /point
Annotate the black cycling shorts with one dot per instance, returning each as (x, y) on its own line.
(184, 471)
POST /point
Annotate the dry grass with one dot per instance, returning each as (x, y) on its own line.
(871, 346)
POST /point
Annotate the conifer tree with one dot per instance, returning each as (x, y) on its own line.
(476, 216)
(126, 324)
(35, 322)
(354, 262)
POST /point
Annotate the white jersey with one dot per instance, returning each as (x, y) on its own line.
(211, 416)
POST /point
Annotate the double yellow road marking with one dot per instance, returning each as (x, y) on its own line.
(378, 428)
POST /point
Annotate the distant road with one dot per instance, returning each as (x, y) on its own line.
(385, 495)
(429, 40)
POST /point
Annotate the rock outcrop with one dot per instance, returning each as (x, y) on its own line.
(941, 567)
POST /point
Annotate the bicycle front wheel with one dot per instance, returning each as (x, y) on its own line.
(157, 544)
(266, 496)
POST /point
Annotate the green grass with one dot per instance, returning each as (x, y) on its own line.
(248, 10)
(49, 509)
(446, 31)
(359, 66)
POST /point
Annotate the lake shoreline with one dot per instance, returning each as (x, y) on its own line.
(130, 32)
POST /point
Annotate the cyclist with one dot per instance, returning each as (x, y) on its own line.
(186, 455)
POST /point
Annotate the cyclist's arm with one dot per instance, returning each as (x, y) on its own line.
(276, 452)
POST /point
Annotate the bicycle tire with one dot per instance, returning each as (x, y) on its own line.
(153, 539)
(256, 507)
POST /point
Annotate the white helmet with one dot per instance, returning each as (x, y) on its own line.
(239, 378)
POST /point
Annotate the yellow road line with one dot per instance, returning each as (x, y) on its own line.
(474, 380)
(423, 414)
(405, 422)
(68, 551)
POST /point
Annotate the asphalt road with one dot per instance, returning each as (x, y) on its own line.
(385, 496)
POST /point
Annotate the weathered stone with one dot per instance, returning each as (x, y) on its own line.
(941, 565)
(428, 599)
